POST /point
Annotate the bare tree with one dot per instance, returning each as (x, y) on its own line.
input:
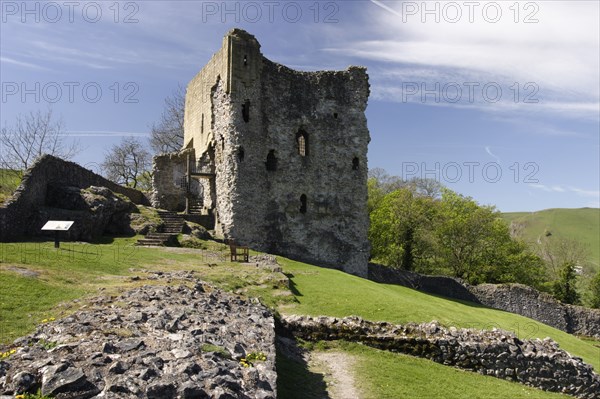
(558, 252)
(421, 186)
(167, 134)
(386, 182)
(128, 163)
(426, 187)
(31, 136)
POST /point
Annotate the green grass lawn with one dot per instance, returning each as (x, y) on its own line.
(81, 270)
(330, 292)
(386, 375)
(582, 225)
(78, 270)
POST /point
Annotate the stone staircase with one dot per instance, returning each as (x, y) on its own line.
(172, 226)
(195, 206)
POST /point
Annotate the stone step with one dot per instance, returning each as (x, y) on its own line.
(151, 242)
(159, 236)
(172, 226)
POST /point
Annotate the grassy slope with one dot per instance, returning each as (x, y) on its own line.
(81, 269)
(331, 292)
(385, 375)
(392, 375)
(577, 224)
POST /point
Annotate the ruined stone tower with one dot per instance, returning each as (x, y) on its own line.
(278, 157)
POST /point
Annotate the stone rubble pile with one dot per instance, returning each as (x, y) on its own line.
(537, 363)
(155, 341)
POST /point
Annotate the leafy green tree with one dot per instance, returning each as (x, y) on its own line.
(565, 288)
(464, 235)
(399, 225)
(512, 261)
(376, 194)
(475, 243)
(413, 229)
(595, 291)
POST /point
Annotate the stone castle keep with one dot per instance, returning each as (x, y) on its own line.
(275, 157)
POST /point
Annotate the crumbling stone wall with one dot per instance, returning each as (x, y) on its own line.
(18, 215)
(289, 150)
(497, 353)
(168, 175)
(526, 301)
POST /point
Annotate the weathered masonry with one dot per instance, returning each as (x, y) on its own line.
(278, 157)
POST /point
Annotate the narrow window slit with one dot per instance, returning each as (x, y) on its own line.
(303, 203)
(246, 111)
(271, 163)
(302, 142)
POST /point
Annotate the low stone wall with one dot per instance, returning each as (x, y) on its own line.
(514, 298)
(17, 214)
(439, 285)
(526, 301)
(185, 341)
(497, 353)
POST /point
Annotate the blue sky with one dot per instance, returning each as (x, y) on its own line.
(497, 100)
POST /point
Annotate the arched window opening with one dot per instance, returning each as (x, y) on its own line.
(245, 60)
(241, 154)
(302, 141)
(246, 111)
(271, 161)
(355, 163)
(335, 115)
(202, 125)
(303, 203)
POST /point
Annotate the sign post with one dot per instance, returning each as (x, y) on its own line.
(57, 226)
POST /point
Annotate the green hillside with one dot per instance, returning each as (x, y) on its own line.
(581, 224)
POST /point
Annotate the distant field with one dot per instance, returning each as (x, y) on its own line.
(581, 224)
(9, 181)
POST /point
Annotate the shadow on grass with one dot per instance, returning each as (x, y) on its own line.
(294, 379)
(292, 284)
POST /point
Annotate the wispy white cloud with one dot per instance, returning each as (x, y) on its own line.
(558, 53)
(567, 189)
(488, 149)
(21, 63)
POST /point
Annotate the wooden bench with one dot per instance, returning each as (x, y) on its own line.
(238, 253)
